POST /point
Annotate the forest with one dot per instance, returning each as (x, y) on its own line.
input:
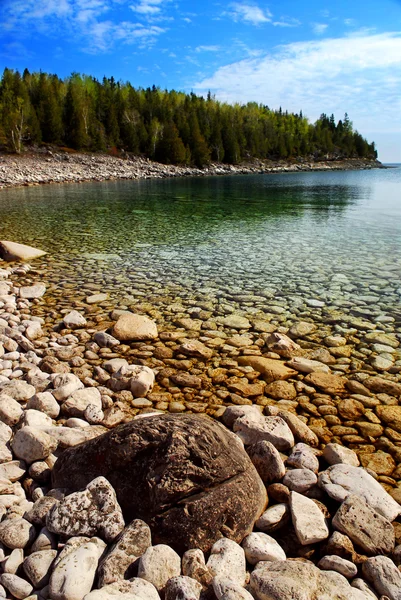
(82, 113)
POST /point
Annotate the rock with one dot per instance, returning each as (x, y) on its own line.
(227, 559)
(302, 329)
(46, 403)
(299, 429)
(105, 340)
(305, 365)
(37, 567)
(300, 480)
(159, 564)
(186, 476)
(16, 533)
(13, 561)
(195, 348)
(390, 415)
(273, 429)
(340, 545)
(37, 514)
(132, 327)
(226, 589)
(365, 588)
(78, 402)
(364, 526)
(32, 291)
(335, 563)
(17, 586)
(12, 251)
(142, 380)
(74, 320)
(274, 518)
(232, 413)
(235, 322)
(281, 390)
(350, 409)
(384, 575)
(270, 369)
(379, 462)
(74, 572)
(130, 545)
(291, 580)
(10, 411)
(379, 385)
(44, 541)
(336, 454)
(33, 444)
(303, 457)
(376, 337)
(260, 546)
(267, 461)
(308, 520)
(341, 480)
(65, 385)
(96, 298)
(93, 511)
(281, 344)
(194, 566)
(330, 384)
(183, 588)
(19, 390)
(134, 589)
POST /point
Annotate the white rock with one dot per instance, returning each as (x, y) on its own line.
(17, 586)
(37, 567)
(336, 454)
(77, 403)
(115, 364)
(45, 541)
(33, 444)
(305, 365)
(274, 518)
(267, 461)
(65, 385)
(273, 429)
(303, 457)
(93, 414)
(10, 410)
(16, 533)
(384, 576)
(226, 589)
(13, 470)
(232, 413)
(260, 546)
(12, 563)
(183, 588)
(36, 419)
(308, 520)
(13, 251)
(227, 559)
(300, 480)
(46, 403)
(159, 564)
(19, 390)
(74, 573)
(339, 481)
(105, 340)
(142, 381)
(93, 511)
(32, 291)
(133, 589)
(74, 320)
(336, 563)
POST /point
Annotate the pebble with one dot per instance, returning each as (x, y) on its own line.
(227, 559)
(159, 564)
(384, 576)
(262, 547)
(300, 480)
(308, 520)
(336, 563)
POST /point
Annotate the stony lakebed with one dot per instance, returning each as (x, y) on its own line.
(195, 451)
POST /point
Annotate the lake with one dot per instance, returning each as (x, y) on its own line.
(285, 246)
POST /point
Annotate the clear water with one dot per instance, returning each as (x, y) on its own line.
(254, 243)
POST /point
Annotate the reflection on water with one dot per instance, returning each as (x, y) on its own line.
(287, 234)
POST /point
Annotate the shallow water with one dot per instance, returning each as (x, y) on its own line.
(283, 244)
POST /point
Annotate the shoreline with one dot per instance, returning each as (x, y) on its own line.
(31, 169)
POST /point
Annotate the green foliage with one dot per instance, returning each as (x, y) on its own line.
(171, 127)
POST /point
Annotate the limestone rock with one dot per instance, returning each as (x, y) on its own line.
(12, 251)
(273, 429)
(196, 348)
(227, 559)
(281, 390)
(267, 461)
(328, 383)
(384, 575)
(303, 457)
(130, 545)
(300, 480)
(260, 546)
(74, 320)
(32, 444)
(183, 588)
(274, 518)
(232, 413)
(133, 589)
(29, 292)
(18, 587)
(93, 511)
(186, 476)
(37, 567)
(341, 480)
(305, 365)
(364, 526)
(308, 520)
(336, 563)
(226, 589)
(16, 533)
(159, 564)
(300, 430)
(77, 403)
(281, 344)
(235, 322)
(301, 329)
(105, 340)
(336, 454)
(390, 415)
(132, 327)
(270, 369)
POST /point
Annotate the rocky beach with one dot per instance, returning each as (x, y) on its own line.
(196, 450)
(56, 166)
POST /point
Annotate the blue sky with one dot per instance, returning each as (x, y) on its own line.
(316, 56)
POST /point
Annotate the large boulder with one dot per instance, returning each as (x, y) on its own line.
(13, 251)
(187, 476)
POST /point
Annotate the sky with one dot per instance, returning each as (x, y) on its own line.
(314, 56)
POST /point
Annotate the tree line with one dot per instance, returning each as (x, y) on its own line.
(171, 127)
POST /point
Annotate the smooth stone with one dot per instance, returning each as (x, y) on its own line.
(18, 389)
(232, 413)
(183, 588)
(65, 385)
(335, 454)
(341, 480)
(281, 390)
(142, 380)
(17, 586)
(300, 480)
(308, 520)
(29, 292)
(270, 369)
(74, 320)
(196, 348)
(305, 365)
(105, 340)
(235, 322)
(11, 251)
(94, 511)
(77, 403)
(37, 567)
(300, 430)
(391, 415)
(194, 566)
(227, 559)
(331, 384)
(302, 329)
(274, 430)
(46, 403)
(282, 344)
(303, 457)
(10, 410)
(16, 533)
(133, 589)
(132, 327)
(267, 461)
(13, 561)
(384, 576)
(260, 547)
(96, 298)
(130, 545)
(336, 563)
(159, 564)
(227, 589)
(32, 444)
(274, 518)
(364, 526)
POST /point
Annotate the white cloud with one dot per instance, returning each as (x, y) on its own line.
(249, 13)
(147, 7)
(207, 49)
(319, 28)
(287, 23)
(360, 75)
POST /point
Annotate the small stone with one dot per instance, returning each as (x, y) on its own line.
(33, 444)
(227, 559)
(194, 566)
(46, 403)
(10, 410)
(302, 329)
(93, 511)
(267, 461)
(183, 588)
(12, 563)
(16, 533)
(308, 520)
(260, 546)
(32, 291)
(74, 320)
(93, 414)
(384, 575)
(105, 340)
(273, 429)
(300, 480)
(196, 348)
(17, 586)
(226, 589)
(328, 383)
(142, 380)
(282, 345)
(11, 251)
(132, 327)
(19, 390)
(305, 365)
(159, 564)
(96, 298)
(133, 589)
(235, 322)
(335, 563)
(274, 518)
(281, 390)
(77, 403)
(37, 567)
(303, 457)
(336, 454)
(270, 369)
(65, 385)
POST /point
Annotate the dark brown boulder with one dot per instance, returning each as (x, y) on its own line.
(187, 476)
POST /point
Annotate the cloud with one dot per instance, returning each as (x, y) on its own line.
(147, 7)
(360, 75)
(249, 13)
(319, 28)
(207, 49)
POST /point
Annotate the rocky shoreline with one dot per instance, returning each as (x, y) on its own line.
(309, 409)
(64, 167)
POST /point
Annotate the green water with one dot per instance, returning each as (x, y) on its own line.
(263, 243)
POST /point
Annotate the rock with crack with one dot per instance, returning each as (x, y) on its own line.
(186, 476)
